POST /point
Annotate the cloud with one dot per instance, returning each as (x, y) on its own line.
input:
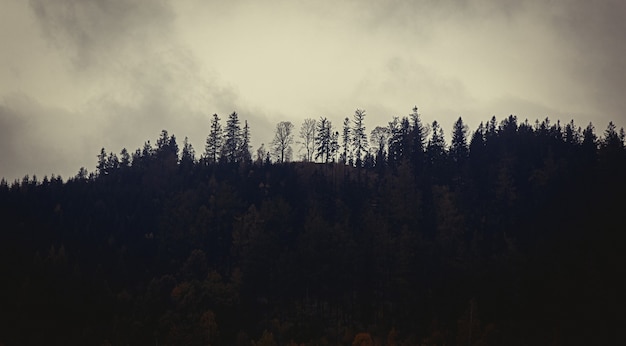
(95, 32)
(41, 140)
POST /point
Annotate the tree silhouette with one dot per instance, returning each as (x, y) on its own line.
(307, 134)
(283, 138)
(214, 141)
(359, 136)
(323, 139)
(232, 139)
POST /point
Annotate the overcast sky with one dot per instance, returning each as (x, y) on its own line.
(78, 75)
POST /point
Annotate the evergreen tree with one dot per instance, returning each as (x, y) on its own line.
(458, 146)
(232, 139)
(124, 158)
(214, 141)
(436, 149)
(245, 154)
(188, 155)
(323, 139)
(346, 156)
(102, 165)
(359, 136)
(418, 136)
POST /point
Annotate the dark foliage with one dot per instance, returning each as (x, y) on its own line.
(514, 238)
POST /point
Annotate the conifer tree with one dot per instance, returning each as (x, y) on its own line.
(214, 141)
(323, 140)
(245, 154)
(232, 138)
(359, 136)
(458, 146)
(346, 156)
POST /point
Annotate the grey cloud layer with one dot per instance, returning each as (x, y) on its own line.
(137, 67)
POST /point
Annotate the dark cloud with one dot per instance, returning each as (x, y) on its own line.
(41, 140)
(597, 30)
(95, 31)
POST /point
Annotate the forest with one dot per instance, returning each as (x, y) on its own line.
(511, 234)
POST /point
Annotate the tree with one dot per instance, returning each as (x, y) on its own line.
(458, 146)
(102, 165)
(334, 144)
(417, 134)
(188, 155)
(125, 158)
(214, 141)
(359, 137)
(283, 138)
(380, 137)
(346, 156)
(244, 154)
(307, 133)
(261, 154)
(323, 140)
(436, 149)
(232, 139)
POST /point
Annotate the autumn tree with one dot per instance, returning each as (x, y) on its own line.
(283, 138)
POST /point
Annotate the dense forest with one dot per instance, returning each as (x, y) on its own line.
(512, 234)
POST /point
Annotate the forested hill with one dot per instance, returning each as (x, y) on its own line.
(514, 236)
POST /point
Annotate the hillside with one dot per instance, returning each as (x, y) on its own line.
(514, 237)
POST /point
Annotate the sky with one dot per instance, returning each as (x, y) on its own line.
(79, 75)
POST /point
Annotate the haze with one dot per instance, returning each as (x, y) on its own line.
(78, 75)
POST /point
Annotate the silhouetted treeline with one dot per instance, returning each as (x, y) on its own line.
(512, 234)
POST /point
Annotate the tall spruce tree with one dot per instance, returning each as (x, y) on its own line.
(233, 139)
(214, 141)
(244, 152)
(458, 145)
(346, 155)
(323, 140)
(359, 136)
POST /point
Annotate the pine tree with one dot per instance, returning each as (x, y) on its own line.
(458, 146)
(346, 156)
(188, 155)
(124, 158)
(214, 141)
(436, 149)
(359, 137)
(232, 139)
(418, 134)
(102, 165)
(323, 140)
(245, 155)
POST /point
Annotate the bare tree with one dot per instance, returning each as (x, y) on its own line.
(283, 138)
(307, 133)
